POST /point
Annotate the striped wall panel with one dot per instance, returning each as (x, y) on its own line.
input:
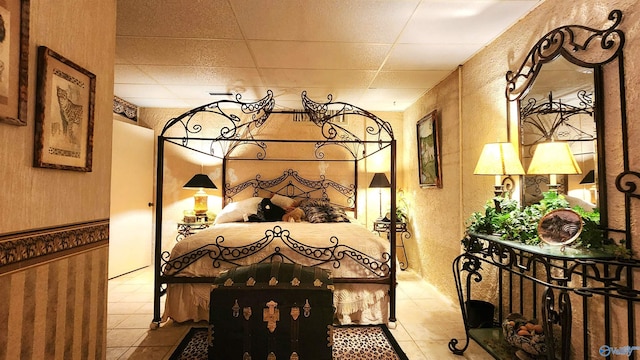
(55, 306)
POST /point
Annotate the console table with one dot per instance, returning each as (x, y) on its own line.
(553, 284)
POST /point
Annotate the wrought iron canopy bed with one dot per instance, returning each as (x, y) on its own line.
(237, 132)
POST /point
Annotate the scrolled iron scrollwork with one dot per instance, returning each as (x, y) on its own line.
(336, 134)
(332, 254)
(301, 188)
(627, 182)
(571, 41)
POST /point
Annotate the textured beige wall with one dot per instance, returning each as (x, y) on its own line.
(84, 32)
(434, 218)
(482, 118)
(33, 198)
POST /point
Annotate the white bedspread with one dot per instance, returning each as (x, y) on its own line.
(355, 303)
(314, 235)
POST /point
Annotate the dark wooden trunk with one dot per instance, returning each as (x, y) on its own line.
(271, 311)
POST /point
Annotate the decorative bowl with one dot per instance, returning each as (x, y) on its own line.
(524, 334)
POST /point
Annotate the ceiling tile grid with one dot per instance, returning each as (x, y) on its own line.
(377, 54)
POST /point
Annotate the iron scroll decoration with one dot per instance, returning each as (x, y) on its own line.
(563, 41)
(187, 127)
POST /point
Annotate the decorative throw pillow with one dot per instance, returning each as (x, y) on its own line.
(325, 214)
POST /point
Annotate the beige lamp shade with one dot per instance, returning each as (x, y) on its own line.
(499, 159)
(553, 158)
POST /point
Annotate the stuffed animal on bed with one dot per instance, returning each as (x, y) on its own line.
(267, 211)
(295, 215)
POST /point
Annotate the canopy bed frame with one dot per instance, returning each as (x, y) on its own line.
(234, 131)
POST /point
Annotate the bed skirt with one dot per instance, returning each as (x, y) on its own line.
(364, 304)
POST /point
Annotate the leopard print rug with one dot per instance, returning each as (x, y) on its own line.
(349, 343)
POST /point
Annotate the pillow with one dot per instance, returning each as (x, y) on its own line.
(282, 201)
(236, 211)
(325, 214)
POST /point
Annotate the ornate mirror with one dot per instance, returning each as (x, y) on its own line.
(559, 95)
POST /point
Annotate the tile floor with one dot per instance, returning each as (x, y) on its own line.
(426, 321)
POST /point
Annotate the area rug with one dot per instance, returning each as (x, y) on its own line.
(349, 342)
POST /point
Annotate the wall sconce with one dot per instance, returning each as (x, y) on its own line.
(201, 199)
(553, 158)
(498, 159)
(380, 181)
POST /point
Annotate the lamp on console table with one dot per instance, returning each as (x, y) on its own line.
(380, 181)
(201, 199)
(498, 159)
(553, 158)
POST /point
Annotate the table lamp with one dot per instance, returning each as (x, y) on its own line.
(498, 159)
(201, 199)
(380, 181)
(553, 158)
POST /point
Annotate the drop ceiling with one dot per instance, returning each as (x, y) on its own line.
(381, 55)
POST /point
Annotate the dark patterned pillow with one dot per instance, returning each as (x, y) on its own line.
(325, 214)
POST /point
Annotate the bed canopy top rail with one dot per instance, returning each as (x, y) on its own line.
(239, 124)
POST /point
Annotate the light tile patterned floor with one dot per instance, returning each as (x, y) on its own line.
(426, 321)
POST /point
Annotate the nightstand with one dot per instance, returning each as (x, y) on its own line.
(188, 228)
(401, 229)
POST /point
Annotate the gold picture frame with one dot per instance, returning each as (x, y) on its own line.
(429, 172)
(65, 103)
(14, 61)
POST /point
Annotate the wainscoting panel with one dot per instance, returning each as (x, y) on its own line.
(55, 306)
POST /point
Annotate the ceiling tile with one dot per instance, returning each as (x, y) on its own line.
(423, 80)
(462, 22)
(317, 78)
(157, 51)
(318, 55)
(196, 19)
(196, 75)
(363, 21)
(428, 56)
(142, 91)
(131, 74)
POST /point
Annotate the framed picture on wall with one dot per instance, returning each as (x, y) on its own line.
(14, 61)
(429, 172)
(65, 102)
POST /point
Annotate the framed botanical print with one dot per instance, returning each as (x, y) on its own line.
(14, 61)
(429, 172)
(65, 102)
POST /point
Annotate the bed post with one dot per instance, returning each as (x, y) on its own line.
(355, 193)
(224, 182)
(157, 293)
(392, 235)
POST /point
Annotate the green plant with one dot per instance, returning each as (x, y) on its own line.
(504, 217)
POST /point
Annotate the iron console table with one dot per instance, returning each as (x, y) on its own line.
(549, 283)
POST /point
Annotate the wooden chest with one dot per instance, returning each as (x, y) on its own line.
(271, 311)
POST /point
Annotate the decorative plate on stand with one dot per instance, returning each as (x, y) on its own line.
(560, 227)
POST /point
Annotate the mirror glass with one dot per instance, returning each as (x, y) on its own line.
(560, 106)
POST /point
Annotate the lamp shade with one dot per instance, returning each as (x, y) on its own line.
(200, 181)
(553, 158)
(590, 178)
(379, 181)
(499, 159)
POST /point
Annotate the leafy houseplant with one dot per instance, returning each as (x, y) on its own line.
(504, 217)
